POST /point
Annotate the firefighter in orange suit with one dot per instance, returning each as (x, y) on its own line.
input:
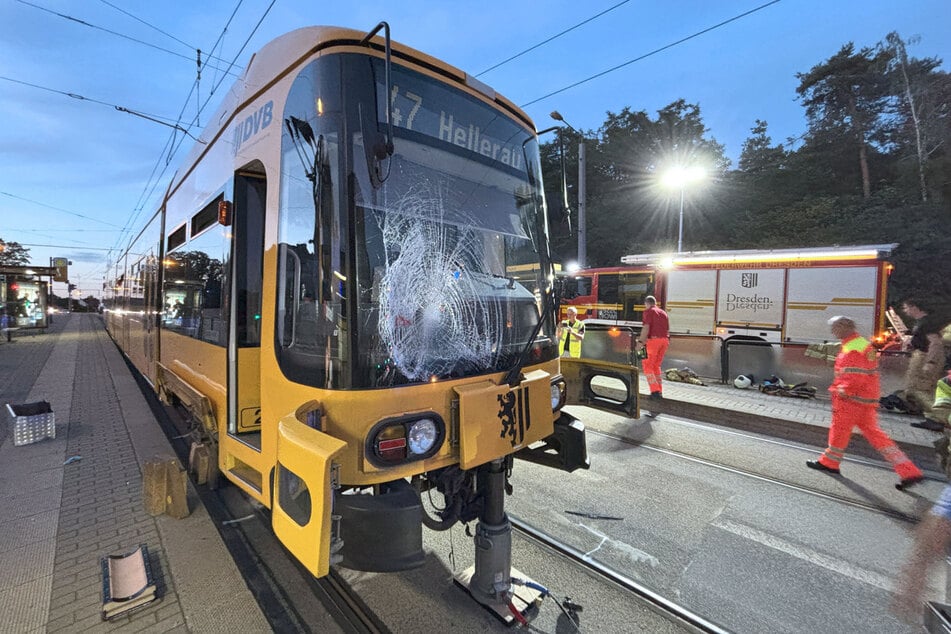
(855, 393)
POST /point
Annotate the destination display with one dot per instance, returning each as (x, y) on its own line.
(420, 105)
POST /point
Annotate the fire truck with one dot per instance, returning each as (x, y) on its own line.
(781, 296)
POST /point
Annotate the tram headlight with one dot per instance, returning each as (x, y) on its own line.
(422, 436)
(404, 439)
(558, 392)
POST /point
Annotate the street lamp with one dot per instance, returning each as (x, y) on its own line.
(680, 177)
(582, 230)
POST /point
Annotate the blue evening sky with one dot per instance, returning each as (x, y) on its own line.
(74, 171)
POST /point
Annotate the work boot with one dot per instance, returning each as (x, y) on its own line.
(818, 466)
(930, 425)
(909, 482)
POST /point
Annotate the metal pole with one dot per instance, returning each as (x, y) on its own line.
(680, 232)
(49, 295)
(582, 230)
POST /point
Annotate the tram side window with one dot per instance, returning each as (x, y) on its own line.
(194, 278)
(311, 326)
(250, 197)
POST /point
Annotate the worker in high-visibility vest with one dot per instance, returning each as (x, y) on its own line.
(570, 335)
(855, 393)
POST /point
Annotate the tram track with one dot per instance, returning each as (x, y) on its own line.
(660, 604)
(288, 595)
(874, 508)
(877, 464)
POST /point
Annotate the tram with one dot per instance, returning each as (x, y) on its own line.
(329, 288)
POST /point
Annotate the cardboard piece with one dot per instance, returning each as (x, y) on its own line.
(127, 582)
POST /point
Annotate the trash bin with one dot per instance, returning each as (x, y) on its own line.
(32, 422)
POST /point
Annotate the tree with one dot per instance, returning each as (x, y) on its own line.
(896, 46)
(13, 253)
(759, 155)
(921, 112)
(625, 159)
(847, 94)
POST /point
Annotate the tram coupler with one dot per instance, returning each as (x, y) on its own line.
(489, 581)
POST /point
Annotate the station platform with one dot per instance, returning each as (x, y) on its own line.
(69, 501)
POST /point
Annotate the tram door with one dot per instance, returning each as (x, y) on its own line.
(244, 346)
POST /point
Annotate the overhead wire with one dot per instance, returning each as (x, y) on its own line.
(171, 145)
(651, 53)
(553, 37)
(155, 28)
(105, 30)
(65, 211)
(72, 95)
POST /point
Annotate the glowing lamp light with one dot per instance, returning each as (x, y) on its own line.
(678, 178)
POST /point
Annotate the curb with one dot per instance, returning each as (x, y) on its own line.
(921, 455)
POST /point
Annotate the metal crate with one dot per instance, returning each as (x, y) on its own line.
(31, 422)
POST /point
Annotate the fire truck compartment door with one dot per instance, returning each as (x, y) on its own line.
(303, 494)
(751, 298)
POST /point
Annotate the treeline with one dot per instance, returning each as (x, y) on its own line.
(873, 166)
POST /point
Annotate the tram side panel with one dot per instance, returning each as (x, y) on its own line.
(142, 272)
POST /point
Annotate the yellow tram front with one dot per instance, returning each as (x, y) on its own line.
(406, 353)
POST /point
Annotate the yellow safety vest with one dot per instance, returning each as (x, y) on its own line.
(573, 345)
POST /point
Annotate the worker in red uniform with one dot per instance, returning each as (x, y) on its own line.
(655, 335)
(855, 393)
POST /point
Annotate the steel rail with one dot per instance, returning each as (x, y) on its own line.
(656, 602)
(276, 603)
(878, 464)
(882, 510)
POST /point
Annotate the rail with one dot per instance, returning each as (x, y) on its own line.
(660, 604)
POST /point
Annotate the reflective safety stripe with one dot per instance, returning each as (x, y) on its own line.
(834, 455)
(854, 370)
(894, 455)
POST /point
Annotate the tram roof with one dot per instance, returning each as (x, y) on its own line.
(287, 52)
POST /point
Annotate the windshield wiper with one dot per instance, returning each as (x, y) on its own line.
(514, 374)
(510, 280)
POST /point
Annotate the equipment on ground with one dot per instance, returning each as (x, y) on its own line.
(742, 382)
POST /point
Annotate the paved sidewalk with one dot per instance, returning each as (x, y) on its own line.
(59, 519)
(802, 420)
